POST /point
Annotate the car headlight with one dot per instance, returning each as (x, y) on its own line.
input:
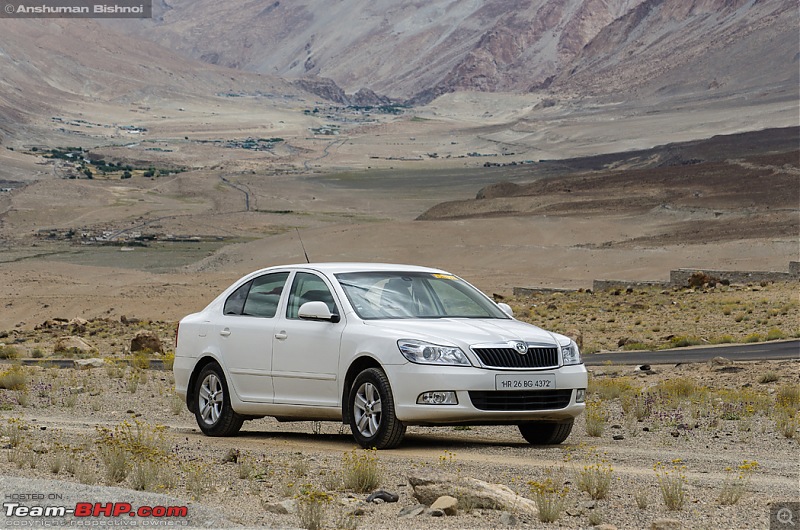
(571, 354)
(421, 352)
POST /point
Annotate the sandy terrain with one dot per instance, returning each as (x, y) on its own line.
(565, 231)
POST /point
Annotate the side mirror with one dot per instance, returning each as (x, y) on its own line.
(505, 308)
(317, 311)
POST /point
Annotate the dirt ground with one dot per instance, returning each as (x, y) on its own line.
(65, 413)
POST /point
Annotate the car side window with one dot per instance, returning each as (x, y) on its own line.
(257, 298)
(235, 302)
(265, 294)
(308, 287)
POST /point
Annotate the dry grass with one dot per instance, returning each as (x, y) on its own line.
(550, 496)
(361, 471)
(672, 483)
(655, 318)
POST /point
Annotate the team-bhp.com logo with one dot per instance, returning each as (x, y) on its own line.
(95, 509)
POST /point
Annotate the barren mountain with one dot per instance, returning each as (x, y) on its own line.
(727, 188)
(666, 47)
(50, 66)
(419, 50)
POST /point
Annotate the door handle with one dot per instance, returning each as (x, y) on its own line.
(281, 335)
(225, 332)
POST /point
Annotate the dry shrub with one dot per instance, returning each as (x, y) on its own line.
(13, 378)
(361, 471)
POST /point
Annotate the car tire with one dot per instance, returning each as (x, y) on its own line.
(213, 410)
(545, 432)
(372, 414)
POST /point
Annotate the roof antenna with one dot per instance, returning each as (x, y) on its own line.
(302, 245)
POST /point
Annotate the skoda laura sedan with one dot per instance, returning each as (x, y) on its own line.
(375, 346)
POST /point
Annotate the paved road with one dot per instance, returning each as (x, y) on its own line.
(738, 352)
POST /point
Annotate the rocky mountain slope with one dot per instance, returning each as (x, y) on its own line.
(667, 47)
(417, 51)
(48, 67)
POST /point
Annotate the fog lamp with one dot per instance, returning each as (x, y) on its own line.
(437, 398)
(580, 395)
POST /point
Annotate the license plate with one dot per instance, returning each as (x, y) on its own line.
(525, 382)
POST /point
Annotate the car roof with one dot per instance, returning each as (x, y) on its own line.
(336, 268)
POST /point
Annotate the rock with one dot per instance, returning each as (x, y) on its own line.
(323, 87)
(383, 495)
(41, 448)
(699, 279)
(618, 437)
(147, 341)
(605, 526)
(72, 344)
(231, 456)
(508, 519)
(290, 505)
(644, 368)
(428, 485)
(576, 335)
(275, 507)
(436, 513)
(78, 325)
(412, 511)
(53, 323)
(666, 524)
(719, 361)
(358, 511)
(367, 98)
(377, 500)
(575, 511)
(446, 503)
(87, 364)
(125, 320)
(76, 390)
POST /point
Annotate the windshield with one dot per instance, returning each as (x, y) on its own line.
(377, 295)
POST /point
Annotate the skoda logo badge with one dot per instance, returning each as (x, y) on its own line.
(521, 348)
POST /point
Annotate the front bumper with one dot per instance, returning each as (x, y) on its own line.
(410, 380)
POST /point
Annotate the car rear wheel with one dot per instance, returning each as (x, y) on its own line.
(213, 411)
(545, 432)
(372, 415)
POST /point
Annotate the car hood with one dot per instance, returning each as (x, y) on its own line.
(466, 332)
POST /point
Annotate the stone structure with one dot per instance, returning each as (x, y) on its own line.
(679, 278)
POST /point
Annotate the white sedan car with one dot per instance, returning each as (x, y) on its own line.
(375, 346)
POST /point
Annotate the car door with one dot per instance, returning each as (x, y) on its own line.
(305, 353)
(245, 335)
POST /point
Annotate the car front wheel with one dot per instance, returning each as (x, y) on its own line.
(372, 415)
(545, 432)
(213, 411)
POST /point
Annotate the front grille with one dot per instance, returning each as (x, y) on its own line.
(511, 358)
(520, 401)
